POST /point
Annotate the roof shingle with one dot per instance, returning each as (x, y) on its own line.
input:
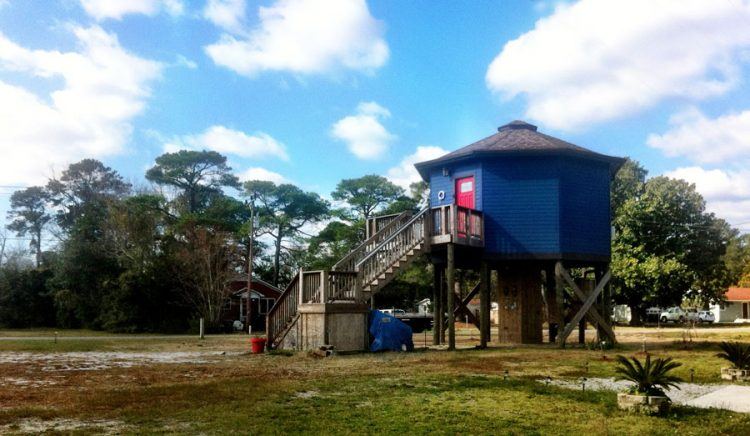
(519, 137)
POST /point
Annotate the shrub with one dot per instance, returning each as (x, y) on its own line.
(737, 353)
(650, 378)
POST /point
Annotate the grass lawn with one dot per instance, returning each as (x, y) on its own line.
(426, 391)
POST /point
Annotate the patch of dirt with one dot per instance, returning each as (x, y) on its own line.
(307, 394)
(99, 360)
(37, 426)
(23, 382)
(685, 393)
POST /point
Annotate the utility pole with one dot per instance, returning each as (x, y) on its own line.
(250, 262)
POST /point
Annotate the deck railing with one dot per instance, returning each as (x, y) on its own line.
(391, 226)
(343, 286)
(282, 312)
(378, 223)
(457, 224)
(393, 248)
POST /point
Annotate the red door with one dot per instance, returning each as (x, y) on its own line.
(465, 192)
(464, 198)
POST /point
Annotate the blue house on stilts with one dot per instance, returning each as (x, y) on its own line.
(524, 204)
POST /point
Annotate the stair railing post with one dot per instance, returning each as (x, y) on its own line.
(454, 222)
(301, 287)
(324, 286)
(358, 287)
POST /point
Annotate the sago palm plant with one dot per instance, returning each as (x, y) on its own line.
(651, 377)
(737, 353)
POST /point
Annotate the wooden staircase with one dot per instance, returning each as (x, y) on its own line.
(355, 278)
(392, 244)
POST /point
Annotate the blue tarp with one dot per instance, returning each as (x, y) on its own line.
(389, 333)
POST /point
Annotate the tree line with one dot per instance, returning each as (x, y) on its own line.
(104, 254)
(667, 249)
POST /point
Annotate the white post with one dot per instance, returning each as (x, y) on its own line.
(202, 336)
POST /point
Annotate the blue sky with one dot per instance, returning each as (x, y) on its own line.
(313, 91)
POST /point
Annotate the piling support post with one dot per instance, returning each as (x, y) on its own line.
(436, 303)
(451, 279)
(550, 294)
(443, 305)
(484, 299)
(560, 297)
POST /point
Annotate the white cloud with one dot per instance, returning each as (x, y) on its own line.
(103, 88)
(705, 140)
(258, 173)
(116, 9)
(404, 174)
(299, 36)
(227, 14)
(597, 60)
(727, 192)
(363, 132)
(229, 141)
(182, 61)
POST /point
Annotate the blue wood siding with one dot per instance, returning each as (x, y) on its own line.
(447, 184)
(584, 207)
(521, 209)
(537, 206)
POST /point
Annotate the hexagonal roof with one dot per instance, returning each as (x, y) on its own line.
(515, 138)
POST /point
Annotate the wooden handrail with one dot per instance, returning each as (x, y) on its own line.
(458, 224)
(393, 248)
(371, 225)
(283, 311)
(348, 262)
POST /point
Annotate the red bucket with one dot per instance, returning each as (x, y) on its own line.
(257, 345)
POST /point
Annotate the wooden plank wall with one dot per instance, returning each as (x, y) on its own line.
(520, 306)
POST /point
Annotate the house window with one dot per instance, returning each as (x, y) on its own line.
(467, 186)
(265, 305)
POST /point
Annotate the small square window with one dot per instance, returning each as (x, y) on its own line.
(467, 186)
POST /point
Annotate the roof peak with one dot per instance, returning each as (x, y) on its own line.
(517, 125)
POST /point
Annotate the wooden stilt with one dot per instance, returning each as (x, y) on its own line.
(582, 331)
(498, 293)
(560, 297)
(443, 305)
(598, 273)
(484, 303)
(606, 304)
(551, 297)
(490, 274)
(583, 285)
(436, 306)
(451, 279)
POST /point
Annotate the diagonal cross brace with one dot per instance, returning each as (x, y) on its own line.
(588, 301)
(461, 307)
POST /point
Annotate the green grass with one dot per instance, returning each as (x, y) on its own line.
(414, 393)
(410, 404)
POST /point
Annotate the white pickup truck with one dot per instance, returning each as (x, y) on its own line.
(673, 314)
